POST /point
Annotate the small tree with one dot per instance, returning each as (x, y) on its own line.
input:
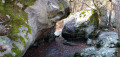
(109, 24)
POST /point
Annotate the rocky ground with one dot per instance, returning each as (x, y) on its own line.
(55, 49)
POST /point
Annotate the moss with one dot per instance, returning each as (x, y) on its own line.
(93, 19)
(15, 50)
(13, 37)
(99, 44)
(27, 2)
(117, 45)
(82, 13)
(77, 54)
(18, 16)
(9, 55)
(71, 14)
(61, 6)
(23, 41)
(83, 25)
(94, 34)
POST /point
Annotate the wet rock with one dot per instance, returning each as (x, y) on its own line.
(28, 21)
(105, 46)
(81, 25)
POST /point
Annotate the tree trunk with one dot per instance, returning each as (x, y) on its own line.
(116, 6)
(110, 14)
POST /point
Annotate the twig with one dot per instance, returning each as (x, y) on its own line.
(97, 8)
(86, 4)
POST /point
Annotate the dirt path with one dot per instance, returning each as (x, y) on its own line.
(55, 49)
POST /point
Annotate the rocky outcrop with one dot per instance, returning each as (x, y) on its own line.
(22, 22)
(105, 46)
(81, 25)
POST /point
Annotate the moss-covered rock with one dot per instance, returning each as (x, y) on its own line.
(24, 21)
(83, 24)
(15, 19)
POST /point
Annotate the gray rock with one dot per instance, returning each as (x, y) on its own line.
(81, 25)
(31, 20)
(105, 46)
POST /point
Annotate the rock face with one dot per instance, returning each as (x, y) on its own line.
(81, 25)
(22, 22)
(105, 46)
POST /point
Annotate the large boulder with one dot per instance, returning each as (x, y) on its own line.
(22, 22)
(106, 46)
(81, 25)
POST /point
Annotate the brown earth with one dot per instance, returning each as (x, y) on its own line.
(55, 49)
